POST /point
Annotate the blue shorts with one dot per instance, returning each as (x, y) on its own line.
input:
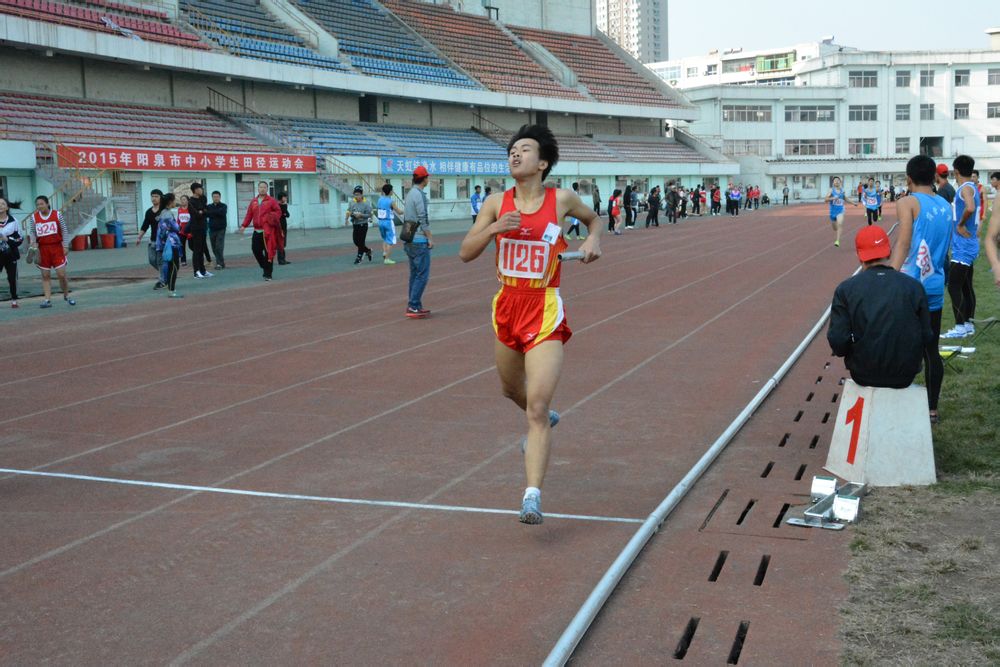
(388, 232)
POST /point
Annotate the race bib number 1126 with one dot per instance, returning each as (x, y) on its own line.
(523, 259)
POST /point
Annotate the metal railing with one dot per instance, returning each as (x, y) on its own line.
(81, 193)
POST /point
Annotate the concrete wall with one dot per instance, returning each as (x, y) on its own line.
(121, 83)
(336, 106)
(404, 112)
(451, 115)
(30, 72)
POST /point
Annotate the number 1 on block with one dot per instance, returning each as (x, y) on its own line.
(854, 418)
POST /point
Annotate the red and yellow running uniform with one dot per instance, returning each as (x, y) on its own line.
(528, 309)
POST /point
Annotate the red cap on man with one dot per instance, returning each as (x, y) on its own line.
(420, 172)
(942, 170)
(872, 243)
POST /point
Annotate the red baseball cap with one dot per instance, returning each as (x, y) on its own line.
(420, 172)
(872, 243)
(942, 169)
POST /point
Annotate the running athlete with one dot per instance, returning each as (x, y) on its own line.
(881, 196)
(386, 224)
(924, 233)
(837, 199)
(528, 315)
(964, 249)
(871, 201)
(48, 234)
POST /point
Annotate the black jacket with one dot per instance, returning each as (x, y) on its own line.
(880, 324)
(197, 207)
(216, 214)
(150, 224)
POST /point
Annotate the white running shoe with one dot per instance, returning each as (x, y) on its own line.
(207, 274)
(970, 329)
(956, 331)
(198, 275)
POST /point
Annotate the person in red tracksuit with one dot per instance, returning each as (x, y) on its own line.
(265, 214)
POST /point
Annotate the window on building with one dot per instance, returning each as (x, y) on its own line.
(711, 70)
(435, 188)
(671, 73)
(862, 79)
(283, 186)
(902, 112)
(734, 66)
(993, 139)
(862, 112)
(809, 146)
(926, 112)
(902, 145)
(961, 111)
(780, 182)
(993, 77)
(932, 146)
(462, 188)
(324, 194)
(926, 78)
(903, 79)
(861, 146)
(495, 185)
(759, 147)
(809, 113)
(809, 182)
(961, 77)
(993, 110)
(746, 113)
(692, 72)
(775, 63)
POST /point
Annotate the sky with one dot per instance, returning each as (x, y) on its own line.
(893, 25)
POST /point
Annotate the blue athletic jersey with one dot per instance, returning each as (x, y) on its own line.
(384, 211)
(929, 247)
(871, 199)
(965, 250)
(836, 203)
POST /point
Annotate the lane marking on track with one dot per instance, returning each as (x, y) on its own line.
(309, 498)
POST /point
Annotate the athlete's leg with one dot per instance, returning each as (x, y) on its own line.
(63, 283)
(956, 290)
(970, 296)
(838, 226)
(510, 368)
(933, 366)
(47, 284)
(542, 367)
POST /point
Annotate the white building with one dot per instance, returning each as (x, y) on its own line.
(816, 111)
(638, 26)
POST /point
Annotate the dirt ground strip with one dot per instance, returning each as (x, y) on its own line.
(317, 385)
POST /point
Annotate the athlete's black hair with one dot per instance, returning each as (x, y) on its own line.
(156, 191)
(921, 169)
(196, 186)
(12, 205)
(964, 164)
(975, 172)
(216, 192)
(477, 187)
(548, 148)
(387, 188)
(283, 195)
(996, 175)
(265, 183)
(168, 199)
(575, 186)
(43, 198)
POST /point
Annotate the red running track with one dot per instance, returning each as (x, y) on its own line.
(320, 387)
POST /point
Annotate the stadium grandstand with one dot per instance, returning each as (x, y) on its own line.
(102, 101)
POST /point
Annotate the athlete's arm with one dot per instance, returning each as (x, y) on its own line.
(488, 224)
(970, 210)
(569, 203)
(906, 212)
(993, 238)
(829, 197)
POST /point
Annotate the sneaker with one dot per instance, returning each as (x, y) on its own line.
(267, 279)
(175, 295)
(416, 314)
(970, 329)
(13, 304)
(553, 422)
(836, 244)
(357, 260)
(957, 331)
(206, 274)
(219, 267)
(368, 253)
(531, 510)
(45, 304)
(199, 275)
(158, 285)
(386, 260)
(70, 301)
(283, 262)
(423, 311)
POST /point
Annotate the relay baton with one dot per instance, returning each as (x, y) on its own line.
(567, 256)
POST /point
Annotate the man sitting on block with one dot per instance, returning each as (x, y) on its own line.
(879, 320)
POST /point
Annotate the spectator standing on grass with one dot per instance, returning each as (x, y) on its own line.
(476, 202)
(925, 221)
(964, 249)
(197, 230)
(283, 205)
(992, 238)
(150, 224)
(982, 195)
(169, 243)
(418, 251)
(10, 245)
(943, 187)
(879, 319)
(218, 222)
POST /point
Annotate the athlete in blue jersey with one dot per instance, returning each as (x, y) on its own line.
(870, 199)
(386, 224)
(879, 196)
(964, 249)
(921, 252)
(837, 198)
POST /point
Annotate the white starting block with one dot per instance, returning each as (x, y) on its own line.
(882, 437)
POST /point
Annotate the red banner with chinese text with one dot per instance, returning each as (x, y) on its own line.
(153, 159)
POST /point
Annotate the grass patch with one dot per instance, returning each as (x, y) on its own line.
(965, 621)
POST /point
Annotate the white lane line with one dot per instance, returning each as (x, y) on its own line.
(308, 498)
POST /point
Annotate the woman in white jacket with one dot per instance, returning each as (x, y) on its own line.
(10, 243)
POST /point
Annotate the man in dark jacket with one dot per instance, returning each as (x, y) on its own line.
(283, 203)
(879, 320)
(217, 212)
(198, 231)
(151, 224)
